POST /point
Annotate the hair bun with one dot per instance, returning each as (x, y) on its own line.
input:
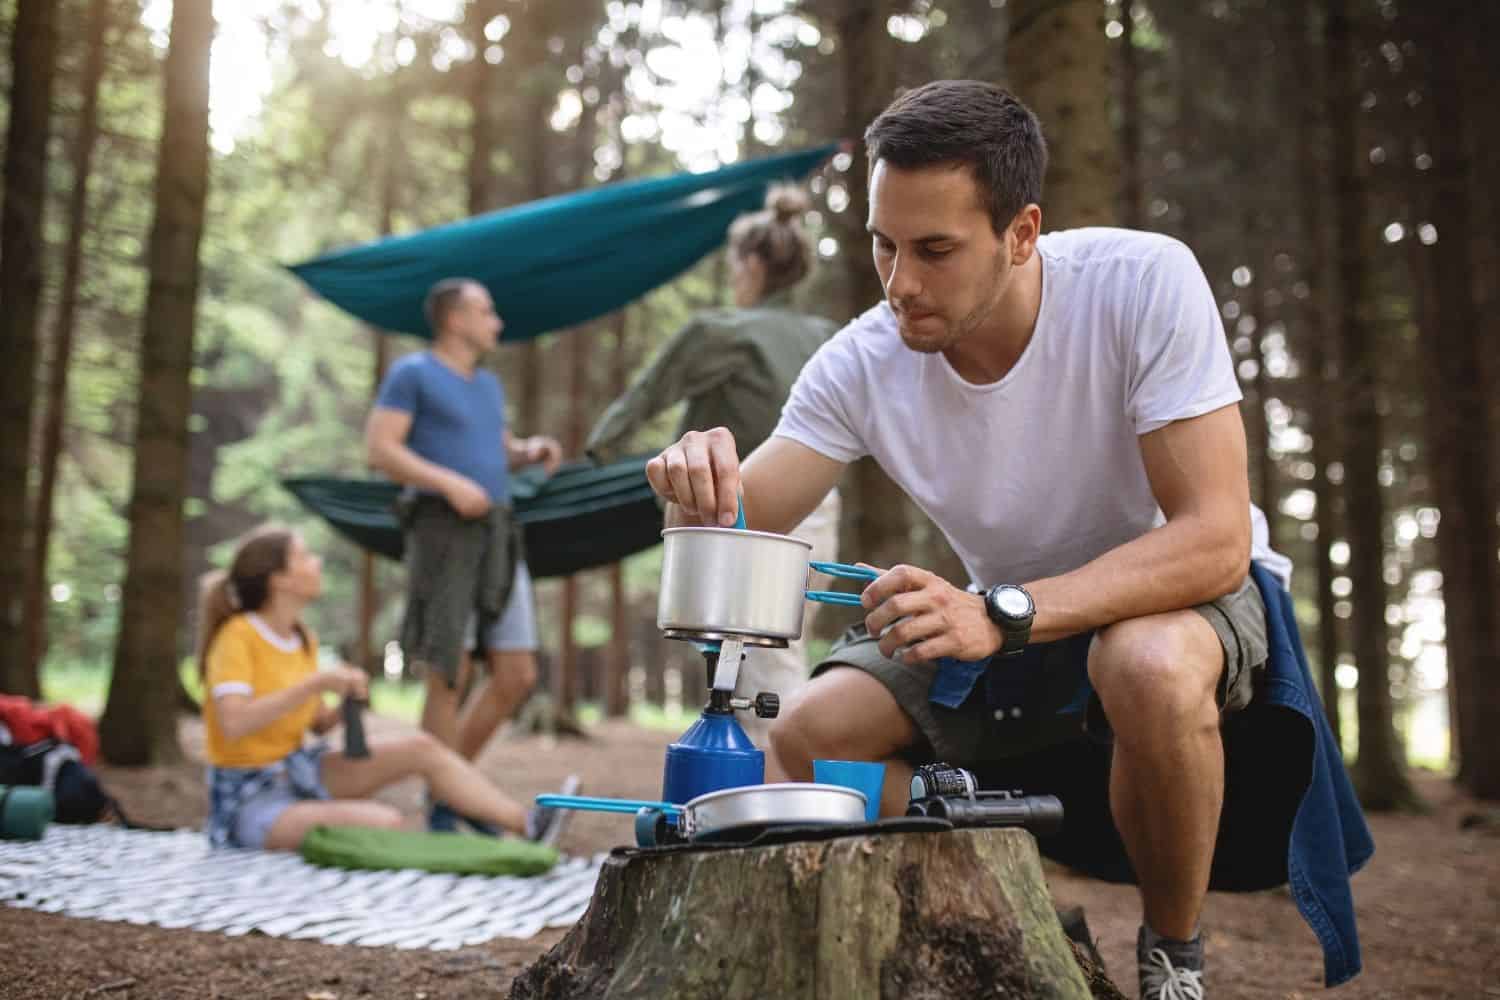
(787, 202)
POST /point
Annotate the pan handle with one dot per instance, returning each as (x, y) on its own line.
(590, 804)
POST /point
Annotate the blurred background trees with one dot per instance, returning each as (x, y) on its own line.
(1323, 158)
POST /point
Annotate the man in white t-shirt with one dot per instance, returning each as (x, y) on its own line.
(1064, 408)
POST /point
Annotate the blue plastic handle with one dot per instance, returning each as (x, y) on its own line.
(589, 804)
(834, 597)
(844, 571)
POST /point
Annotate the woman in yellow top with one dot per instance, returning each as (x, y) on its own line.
(268, 786)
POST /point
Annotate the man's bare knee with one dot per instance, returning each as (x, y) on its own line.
(1155, 674)
(843, 714)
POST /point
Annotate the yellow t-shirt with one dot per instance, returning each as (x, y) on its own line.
(250, 660)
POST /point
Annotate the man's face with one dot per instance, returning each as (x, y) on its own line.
(943, 266)
(475, 319)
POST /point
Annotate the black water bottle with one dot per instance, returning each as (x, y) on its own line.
(355, 746)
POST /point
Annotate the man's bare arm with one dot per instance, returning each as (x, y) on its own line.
(386, 450)
(1197, 469)
(782, 481)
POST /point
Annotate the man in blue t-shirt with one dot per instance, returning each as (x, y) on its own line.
(438, 426)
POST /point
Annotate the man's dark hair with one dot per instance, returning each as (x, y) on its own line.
(442, 299)
(968, 123)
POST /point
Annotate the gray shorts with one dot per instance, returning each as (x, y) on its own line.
(515, 632)
(1042, 698)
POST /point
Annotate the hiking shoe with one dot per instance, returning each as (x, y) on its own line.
(544, 824)
(1170, 970)
(443, 818)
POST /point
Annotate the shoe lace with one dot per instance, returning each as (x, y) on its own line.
(1161, 980)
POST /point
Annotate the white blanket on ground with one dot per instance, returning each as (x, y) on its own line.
(174, 880)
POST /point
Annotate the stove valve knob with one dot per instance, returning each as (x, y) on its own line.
(767, 705)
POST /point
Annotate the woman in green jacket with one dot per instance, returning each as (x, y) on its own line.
(734, 368)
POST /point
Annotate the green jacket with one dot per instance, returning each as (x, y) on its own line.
(734, 367)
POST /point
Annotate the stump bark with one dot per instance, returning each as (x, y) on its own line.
(904, 916)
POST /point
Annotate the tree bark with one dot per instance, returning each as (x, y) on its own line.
(33, 54)
(482, 90)
(1458, 411)
(56, 401)
(139, 721)
(1314, 343)
(914, 915)
(1131, 190)
(1380, 769)
(1059, 62)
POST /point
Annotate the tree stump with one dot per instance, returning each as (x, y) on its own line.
(904, 916)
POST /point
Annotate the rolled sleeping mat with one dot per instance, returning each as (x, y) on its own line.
(25, 811)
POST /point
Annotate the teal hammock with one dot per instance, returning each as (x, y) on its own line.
(558, 262)
(583, 516)
(548, 265)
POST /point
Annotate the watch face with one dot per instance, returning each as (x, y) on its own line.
(1013, 602)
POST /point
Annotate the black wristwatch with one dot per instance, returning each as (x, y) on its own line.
(1011, 608)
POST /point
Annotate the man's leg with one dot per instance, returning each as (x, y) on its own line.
(512, 677)
(1157, 678)
(844, 714)
(440, 704)
(510, 652)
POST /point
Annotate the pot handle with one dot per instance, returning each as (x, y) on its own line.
(842, 571)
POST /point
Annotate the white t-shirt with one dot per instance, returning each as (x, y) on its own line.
(1040, 472)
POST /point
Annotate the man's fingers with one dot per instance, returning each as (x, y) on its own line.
(700, 476)
(909, 633)
(894, 581)
(656, 475)
(901, 605)
(725, 464)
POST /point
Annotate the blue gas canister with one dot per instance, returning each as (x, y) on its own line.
(713, 754)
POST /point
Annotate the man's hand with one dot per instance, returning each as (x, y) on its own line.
(326, 719)
(466, 496)
(546, 450)
(701, 474)
(927, 615)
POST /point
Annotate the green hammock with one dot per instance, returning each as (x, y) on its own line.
(584, 516)
(557, 262)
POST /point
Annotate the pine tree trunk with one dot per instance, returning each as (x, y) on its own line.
(1380, 770)
(1461, 461)
(1132, 193)
(139, 721)
(1059, 62)
(56, 402)
(33, 56)
(1314, 343)
(895, 916)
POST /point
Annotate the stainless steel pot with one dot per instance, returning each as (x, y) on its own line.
(720, 582)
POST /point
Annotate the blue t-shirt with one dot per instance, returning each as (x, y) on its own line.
(456, 422)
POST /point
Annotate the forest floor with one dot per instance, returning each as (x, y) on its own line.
(1428, 905)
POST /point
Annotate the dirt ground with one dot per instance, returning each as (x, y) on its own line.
(1428, 906)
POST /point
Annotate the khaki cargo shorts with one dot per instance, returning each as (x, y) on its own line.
(1043, 698)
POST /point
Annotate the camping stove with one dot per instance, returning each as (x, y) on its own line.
(715, 753)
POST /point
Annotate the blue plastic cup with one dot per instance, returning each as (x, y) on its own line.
(860, 775)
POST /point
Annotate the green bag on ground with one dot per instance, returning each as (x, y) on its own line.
(461, 854)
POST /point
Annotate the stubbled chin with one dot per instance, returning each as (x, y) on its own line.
(924, 344)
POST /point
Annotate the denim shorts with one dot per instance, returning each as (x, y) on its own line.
(245, 802)
(1042, 698)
